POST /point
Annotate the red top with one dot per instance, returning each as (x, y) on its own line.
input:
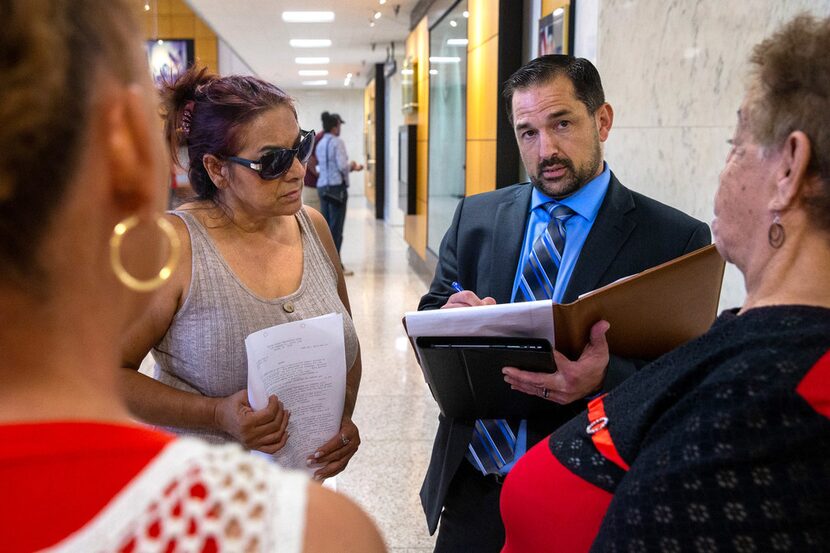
(55, 477)
(546, 507)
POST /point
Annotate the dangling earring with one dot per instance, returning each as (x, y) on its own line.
(776, 234)
(123, 275)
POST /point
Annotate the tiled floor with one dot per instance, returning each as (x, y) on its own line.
(395, 412)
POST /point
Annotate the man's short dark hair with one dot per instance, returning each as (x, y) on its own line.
(581, 72)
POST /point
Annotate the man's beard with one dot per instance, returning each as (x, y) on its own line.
(574, 178)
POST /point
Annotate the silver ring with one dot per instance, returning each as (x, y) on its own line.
(344, 439)
(545, 393)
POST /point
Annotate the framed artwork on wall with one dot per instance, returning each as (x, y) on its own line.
(169, 58)
(554, 29)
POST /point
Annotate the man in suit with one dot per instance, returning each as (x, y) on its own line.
(572, 229)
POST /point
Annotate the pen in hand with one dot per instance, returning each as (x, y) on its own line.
(457, 287)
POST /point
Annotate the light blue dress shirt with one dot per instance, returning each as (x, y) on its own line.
(586, 203)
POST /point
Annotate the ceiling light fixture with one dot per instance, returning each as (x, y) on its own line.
(453, 23)
(558, 11)
(371, 22)
(465, 13)
(309, 42)
(308, 17)
(433, 71)
(457, 42)
(381, 2)
(444, 59)
(311, 61)
(377, 15)
(316, 83)
(313, 72)
(146, 6)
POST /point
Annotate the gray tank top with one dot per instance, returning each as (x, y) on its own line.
(203, 351)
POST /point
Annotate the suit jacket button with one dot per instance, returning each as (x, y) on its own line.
(288, 307)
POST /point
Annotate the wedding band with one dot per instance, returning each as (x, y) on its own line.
(545, 392)
(344, 439)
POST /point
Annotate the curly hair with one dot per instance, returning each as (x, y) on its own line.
(790, 91)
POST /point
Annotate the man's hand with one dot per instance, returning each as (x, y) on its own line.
(572, 380)
(467, 299)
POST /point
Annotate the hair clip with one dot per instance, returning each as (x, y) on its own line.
(187, 117)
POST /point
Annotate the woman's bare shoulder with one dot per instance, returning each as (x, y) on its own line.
(335, 523)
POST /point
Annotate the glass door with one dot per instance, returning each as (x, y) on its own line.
(447, 120)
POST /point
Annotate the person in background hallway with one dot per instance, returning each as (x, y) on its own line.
(310, 196)
(83, 185)
(333, 167)
(724, 443)
(560, 117)
(252, 258)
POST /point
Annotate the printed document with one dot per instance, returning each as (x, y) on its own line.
(303, 363)
(531, 319)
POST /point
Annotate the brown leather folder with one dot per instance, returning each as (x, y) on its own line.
(651, 312)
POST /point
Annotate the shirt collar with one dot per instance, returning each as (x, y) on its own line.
(586, 201)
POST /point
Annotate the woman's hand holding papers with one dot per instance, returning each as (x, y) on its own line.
(263, 430)
(335, 454)
(573, 380)
(467, 299)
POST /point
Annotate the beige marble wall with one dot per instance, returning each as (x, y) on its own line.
(674, 71)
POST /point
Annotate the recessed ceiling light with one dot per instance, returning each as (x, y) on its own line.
(558, 11)
(465, 13)
(377, 15)
(453, 23)
(315, 83)
(433, 71)
(311, 61)
(313, 72)
(381, 2)
(307, 17)
(444, 59)
(146, 6)
(309, 42)
(371, 23)
(456, 42)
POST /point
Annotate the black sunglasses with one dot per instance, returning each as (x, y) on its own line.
(274, 163)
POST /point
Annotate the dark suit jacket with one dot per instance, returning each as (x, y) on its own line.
(481, 251)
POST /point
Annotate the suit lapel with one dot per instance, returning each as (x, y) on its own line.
(508, 231)
(609, 233)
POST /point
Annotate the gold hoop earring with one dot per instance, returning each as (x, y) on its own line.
(164, 273)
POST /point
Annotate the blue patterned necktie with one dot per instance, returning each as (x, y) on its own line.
(542, 264)
(493, 444)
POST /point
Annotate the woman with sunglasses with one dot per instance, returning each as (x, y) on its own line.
(253, 258)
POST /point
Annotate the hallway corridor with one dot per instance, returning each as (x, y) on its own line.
(395, 412)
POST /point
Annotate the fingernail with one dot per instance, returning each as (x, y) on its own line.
(309, 462)
(318, 454)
